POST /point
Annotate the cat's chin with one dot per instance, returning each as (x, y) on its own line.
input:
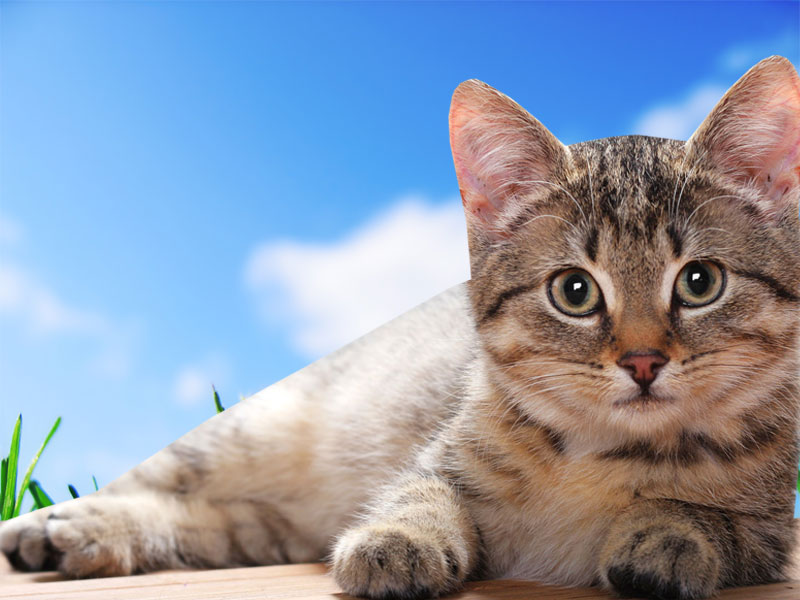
(642, 402)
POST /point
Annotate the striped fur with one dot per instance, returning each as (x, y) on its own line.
(488, 434)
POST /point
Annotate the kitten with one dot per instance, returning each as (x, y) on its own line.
(611, 399)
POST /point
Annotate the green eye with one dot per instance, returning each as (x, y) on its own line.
(700, 283)
(574, 292)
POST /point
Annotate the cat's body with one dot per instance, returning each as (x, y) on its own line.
(613, 397)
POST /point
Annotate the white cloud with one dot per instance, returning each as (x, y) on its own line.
(329, 294)
(37, 311)
(192, 384)
(29, 302)
(37, 307)
(678, 120)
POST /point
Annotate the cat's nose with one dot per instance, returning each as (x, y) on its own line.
(643, 366)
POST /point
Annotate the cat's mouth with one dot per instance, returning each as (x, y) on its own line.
(642, 401)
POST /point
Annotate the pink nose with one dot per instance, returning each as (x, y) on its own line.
(643, 366)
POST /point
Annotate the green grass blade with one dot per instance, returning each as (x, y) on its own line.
(11, 472)
(25, 480)
(798, 481)
(3, 477)
(217, 402)
(73, 492)
(40, 497)
(96, 487)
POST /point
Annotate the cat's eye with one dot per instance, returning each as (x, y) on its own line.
(575, 293)
(699, 283)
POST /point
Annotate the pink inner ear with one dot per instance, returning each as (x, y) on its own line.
(477, 202)
(779, 169)
(475, 199)
(476, 191)
(753, 134)
(780, 174)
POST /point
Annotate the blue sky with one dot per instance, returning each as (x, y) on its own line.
(224, 191)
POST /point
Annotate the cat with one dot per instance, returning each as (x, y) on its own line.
(612, 399)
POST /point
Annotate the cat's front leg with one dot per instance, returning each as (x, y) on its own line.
(109, 535)
(668, 549)
(417, 542)
(97, 535)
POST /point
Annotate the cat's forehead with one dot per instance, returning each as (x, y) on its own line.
(636, 192)
(629, 180)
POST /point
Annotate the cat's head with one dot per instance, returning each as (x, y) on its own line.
(643, 283)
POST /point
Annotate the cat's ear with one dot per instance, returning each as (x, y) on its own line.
(753, 136)
(504, 158)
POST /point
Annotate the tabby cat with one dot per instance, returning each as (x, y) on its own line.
(612, 399)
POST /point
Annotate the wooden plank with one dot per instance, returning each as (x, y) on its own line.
(297, 582)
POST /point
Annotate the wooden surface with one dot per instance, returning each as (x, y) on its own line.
(305, 582)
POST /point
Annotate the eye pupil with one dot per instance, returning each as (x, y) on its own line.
(576, 290)
(698, 280)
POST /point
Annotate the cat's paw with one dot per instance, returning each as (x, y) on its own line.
(393, 562)
(24, 542)
(91, 538)
(661, 563)
(87, 537)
